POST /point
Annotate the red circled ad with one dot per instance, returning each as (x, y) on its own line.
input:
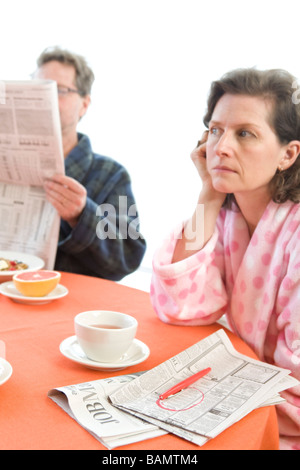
(159, 402)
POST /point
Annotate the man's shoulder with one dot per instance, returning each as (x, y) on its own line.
(104, 159)
(99, 160)
(107, 164)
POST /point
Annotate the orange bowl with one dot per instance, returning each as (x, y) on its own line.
(36, 283)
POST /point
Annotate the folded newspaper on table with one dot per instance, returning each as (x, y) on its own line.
(30, 152)
(88, 404)
(236, 385)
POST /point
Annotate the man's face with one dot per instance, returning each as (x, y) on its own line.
(72, 106)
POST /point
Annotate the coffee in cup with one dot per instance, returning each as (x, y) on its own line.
(105, 336)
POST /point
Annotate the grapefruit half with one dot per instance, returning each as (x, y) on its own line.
(36, 283)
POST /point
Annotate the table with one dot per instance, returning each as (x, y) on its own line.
(29, 419)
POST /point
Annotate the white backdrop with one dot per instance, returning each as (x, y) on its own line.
(154, 61)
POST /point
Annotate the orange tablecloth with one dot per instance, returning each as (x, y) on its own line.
(31, 420)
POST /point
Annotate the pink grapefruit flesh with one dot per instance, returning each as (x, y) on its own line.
(36, 283)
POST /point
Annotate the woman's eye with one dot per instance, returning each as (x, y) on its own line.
(245, 133)
(214, 130)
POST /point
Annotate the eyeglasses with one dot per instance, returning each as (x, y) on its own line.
(64, 90)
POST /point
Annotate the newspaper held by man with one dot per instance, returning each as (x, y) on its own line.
(235, 386)
(30, 152)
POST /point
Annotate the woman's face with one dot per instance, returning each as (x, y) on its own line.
(243, 152)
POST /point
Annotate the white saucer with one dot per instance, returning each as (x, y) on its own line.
(138, 352)
(33, 262)
(5, 370)
(8, 289)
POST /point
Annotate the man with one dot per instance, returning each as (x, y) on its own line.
(92, 181)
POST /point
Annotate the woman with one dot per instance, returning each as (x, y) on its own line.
(246, 263)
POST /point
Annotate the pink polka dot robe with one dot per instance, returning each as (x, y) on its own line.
(255, 282)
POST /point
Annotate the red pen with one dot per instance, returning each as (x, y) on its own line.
(185, 383)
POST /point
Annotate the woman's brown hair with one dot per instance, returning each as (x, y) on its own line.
(279, 87)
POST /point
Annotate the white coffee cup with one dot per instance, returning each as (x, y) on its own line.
(105, 336)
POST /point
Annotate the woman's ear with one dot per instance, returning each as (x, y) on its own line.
(291, 153)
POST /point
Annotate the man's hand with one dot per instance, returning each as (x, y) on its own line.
(67, 196)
